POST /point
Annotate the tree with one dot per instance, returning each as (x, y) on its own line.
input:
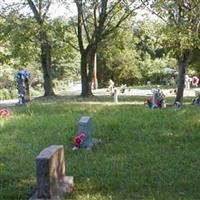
(40, 9)
(95, 21)
(182, 32)
(118, 58)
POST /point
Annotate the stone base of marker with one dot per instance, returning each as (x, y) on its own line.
(66, 187)
(50, 170)
(93, 143)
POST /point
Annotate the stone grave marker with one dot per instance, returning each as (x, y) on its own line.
(84, 138)
(50, 171)
(115, 95)
(85, 126)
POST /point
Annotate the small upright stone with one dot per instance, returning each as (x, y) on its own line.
(115, 95)
(50, 171)
(85, 126)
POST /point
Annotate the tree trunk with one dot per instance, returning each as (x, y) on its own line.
(46, 66)
(86, 90)
(91, 57)
(46, 63)
(27, 93)
(87, 69)
(95, 81)
(182, 64)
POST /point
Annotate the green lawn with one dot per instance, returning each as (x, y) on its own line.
(145, 154)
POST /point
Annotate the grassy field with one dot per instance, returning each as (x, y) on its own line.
(145, 154)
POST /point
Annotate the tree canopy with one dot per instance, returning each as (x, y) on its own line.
(128, 50)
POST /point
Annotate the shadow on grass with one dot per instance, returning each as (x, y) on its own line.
(123, 99)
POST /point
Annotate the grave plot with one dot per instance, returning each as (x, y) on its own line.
(50, 173)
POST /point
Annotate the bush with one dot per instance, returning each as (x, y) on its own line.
(5, 94)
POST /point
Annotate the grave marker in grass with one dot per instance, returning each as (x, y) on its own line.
(50, 171)
(84, 138)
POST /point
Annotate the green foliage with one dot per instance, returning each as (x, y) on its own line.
(182, 30)
(21, 48)
(134, 55)
(19, 35)
(144, 154)
(118, 59)
(65, 59)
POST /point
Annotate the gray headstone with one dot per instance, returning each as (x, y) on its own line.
(85, 126)
(50, 171)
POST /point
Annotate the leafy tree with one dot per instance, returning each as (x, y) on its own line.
(118, 58)
(95, 21)
(154, 57)
(21, 38)
(182, 32)
(65, 59)
(40, 9)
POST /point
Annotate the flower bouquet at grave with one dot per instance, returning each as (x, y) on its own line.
(148, 101)
(4, 112)
(157, 100)
(196, 100)
(161, 100)
(22, 79)
(78, 140)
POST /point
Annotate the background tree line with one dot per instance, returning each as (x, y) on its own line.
(128, 50)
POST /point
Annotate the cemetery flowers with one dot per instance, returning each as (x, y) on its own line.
(78, 140)
(4, 112)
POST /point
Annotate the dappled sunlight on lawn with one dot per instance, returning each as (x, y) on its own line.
(91, 196)
(143, 155)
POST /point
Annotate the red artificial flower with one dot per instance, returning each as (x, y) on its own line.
(4, 112)
(79, 139)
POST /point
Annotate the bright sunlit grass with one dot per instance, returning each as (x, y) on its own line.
(145, 154)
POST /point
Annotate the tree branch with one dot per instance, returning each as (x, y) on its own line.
(79, 6)
(153, 12)
(85, 27)
(73, 46)
(46, 10)
(35, 11)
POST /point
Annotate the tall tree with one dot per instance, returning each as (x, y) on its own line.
(95, 21)
(183, 30)
(40, 9)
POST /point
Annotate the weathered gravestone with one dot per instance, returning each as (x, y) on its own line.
(85, 126)
(115, 95)
(84, 138)
(50, 171)
(22, 79)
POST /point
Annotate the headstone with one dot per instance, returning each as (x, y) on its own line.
(84, 138)
(154, 98)
(157, 100)
(50, 171)
(187, 82)
(196, 100)
(177, 106)
(22, 79)
(85, 126)
(110, 86)
(115, 95)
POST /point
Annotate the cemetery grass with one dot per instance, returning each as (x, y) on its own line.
(145, 154)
